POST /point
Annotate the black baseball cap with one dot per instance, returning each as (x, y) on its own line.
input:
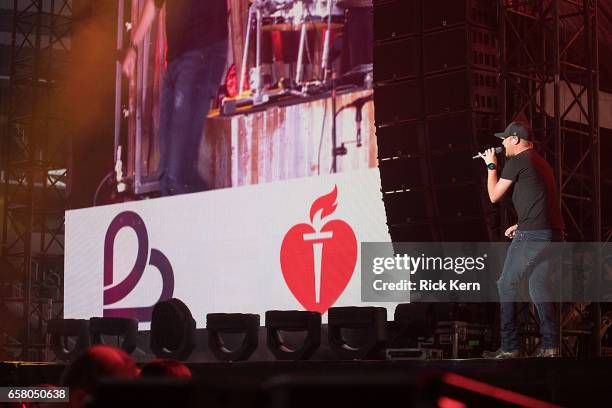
(517, 129)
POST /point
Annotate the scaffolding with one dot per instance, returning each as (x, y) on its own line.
(34, 168)
(549, 76)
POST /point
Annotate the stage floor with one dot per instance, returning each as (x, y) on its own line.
(567, 382)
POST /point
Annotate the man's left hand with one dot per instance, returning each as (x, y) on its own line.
(489, 156)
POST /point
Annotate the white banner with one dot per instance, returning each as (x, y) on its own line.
(290, 245)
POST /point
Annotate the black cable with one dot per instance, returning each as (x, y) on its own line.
(107, 177)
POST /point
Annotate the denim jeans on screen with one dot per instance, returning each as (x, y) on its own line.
(528, 258)
(190, 82)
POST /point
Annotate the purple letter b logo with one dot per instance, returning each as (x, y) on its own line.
(114, 292)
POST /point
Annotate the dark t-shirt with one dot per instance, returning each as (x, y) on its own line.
(193, 24)
(534, 196)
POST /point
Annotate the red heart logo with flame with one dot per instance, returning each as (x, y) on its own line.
(318, 259)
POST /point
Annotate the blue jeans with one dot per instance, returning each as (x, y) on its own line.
(190, 82)
(527, 257)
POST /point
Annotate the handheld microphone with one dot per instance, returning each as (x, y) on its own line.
(498, 150)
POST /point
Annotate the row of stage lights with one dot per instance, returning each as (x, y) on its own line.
(173, 332)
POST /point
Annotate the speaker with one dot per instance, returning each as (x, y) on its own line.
(461, 130)
(407, 206)
(397, 59)
(454, 167)
(400, 101)
(465, 230)
(417, 232)
(449, 131)
(461, 46)
(438, 14)
(447, 93)
(359, 33)
(400, 140)
(461, 90)
(402, 173)
(436, 96)
(452, 202)
(459, 201)
(396, 18)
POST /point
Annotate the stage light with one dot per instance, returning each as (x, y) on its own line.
(124, 329)
(234, 323)
(368, 326)
(411, 322)
(61, 330)
(172, 330)
(293, 321)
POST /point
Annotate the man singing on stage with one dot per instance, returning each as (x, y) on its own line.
(539, 220)
(197, 35)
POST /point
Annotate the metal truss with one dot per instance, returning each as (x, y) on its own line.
(34, 167)
(549, 76)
